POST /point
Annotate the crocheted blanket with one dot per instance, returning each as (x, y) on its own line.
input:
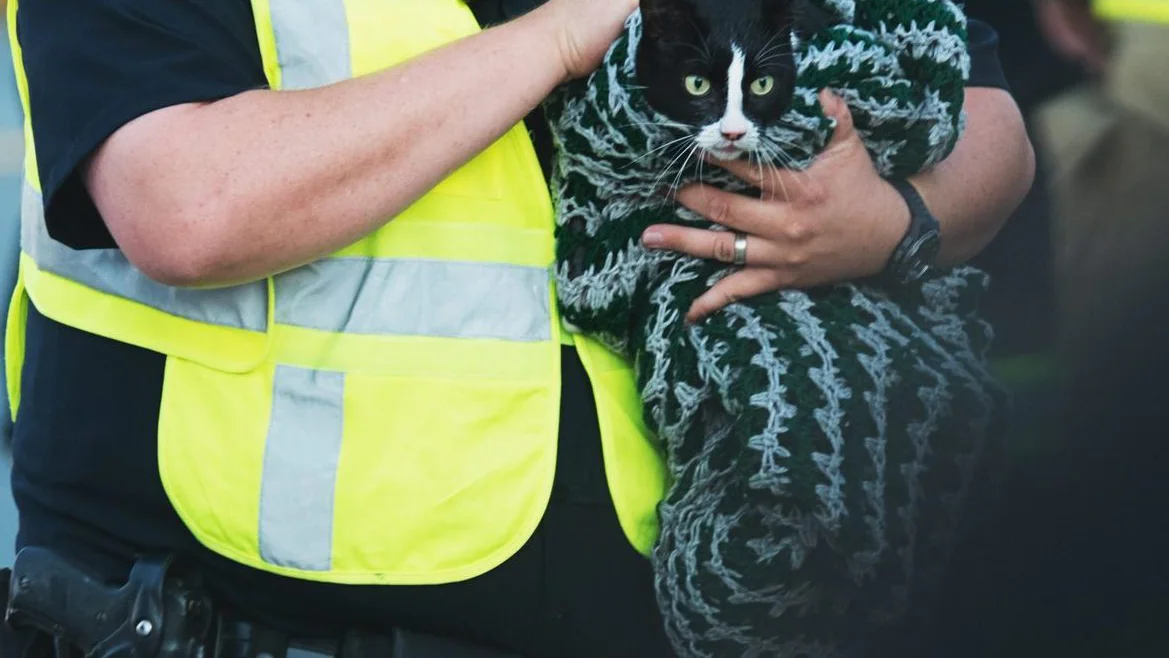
(821, 443)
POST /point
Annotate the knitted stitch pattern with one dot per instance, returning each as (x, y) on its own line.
(821, 443)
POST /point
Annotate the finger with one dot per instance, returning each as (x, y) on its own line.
(835, 107)
(700, 243)
(734, 288)
(734, 211)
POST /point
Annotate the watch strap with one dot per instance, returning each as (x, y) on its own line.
(902, 266)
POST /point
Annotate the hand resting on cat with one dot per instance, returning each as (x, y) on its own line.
(803, 230)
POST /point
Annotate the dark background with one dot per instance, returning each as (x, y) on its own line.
(1076, 560)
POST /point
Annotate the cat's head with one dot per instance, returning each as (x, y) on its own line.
(723, 67)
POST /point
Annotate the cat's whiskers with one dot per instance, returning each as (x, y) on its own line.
(656, 123)
(773, 56)
(759, 159)
(782, 142)
(660, 148)
(682, 169)
(666, 169)
(705, 41)
(768, 60)
(778, 49)
(768, 48)
(703, 52)
(774, 153)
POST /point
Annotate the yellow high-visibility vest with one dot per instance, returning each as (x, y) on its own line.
(1147, 11)
(387, 414)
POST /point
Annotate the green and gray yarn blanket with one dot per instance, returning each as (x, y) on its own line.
(821, 443)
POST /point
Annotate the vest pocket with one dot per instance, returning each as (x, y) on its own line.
(356, 477)
(444, 478)
(212, 430)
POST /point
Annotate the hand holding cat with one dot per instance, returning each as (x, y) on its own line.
(584, 30)
(836, 221)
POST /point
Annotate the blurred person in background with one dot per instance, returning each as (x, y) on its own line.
(1107, 146)
(1074, 563)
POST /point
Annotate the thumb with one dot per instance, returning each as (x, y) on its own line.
(835, 107)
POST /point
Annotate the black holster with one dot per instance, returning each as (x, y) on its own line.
(163, 611)
(156, 613)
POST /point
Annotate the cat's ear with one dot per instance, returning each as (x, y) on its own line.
(664, 18)
(810, 16)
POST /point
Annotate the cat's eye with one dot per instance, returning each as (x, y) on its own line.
(763, 86)
(697, 85)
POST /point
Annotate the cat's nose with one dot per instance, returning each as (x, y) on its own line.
(733, 135)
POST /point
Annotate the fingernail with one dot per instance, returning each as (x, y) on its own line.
(651, 239)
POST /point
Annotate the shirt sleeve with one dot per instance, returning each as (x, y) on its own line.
(985, 68)
(94, 65)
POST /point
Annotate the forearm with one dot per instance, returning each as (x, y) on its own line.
(974, 191)
(264, 181)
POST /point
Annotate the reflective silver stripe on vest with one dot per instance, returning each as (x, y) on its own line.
(107, 270)
(300, 469)
(417, 298)
(312, 42)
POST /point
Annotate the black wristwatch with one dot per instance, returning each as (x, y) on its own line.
(917, 253)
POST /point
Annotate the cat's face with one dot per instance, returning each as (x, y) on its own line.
(723, 67)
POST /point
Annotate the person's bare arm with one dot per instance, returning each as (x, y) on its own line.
(238, 189)
(974, 191)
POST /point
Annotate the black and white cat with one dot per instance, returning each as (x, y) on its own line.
(725, 67)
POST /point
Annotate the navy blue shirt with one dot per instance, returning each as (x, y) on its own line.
(85, 472)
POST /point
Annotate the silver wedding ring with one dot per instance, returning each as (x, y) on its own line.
(740, 258)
